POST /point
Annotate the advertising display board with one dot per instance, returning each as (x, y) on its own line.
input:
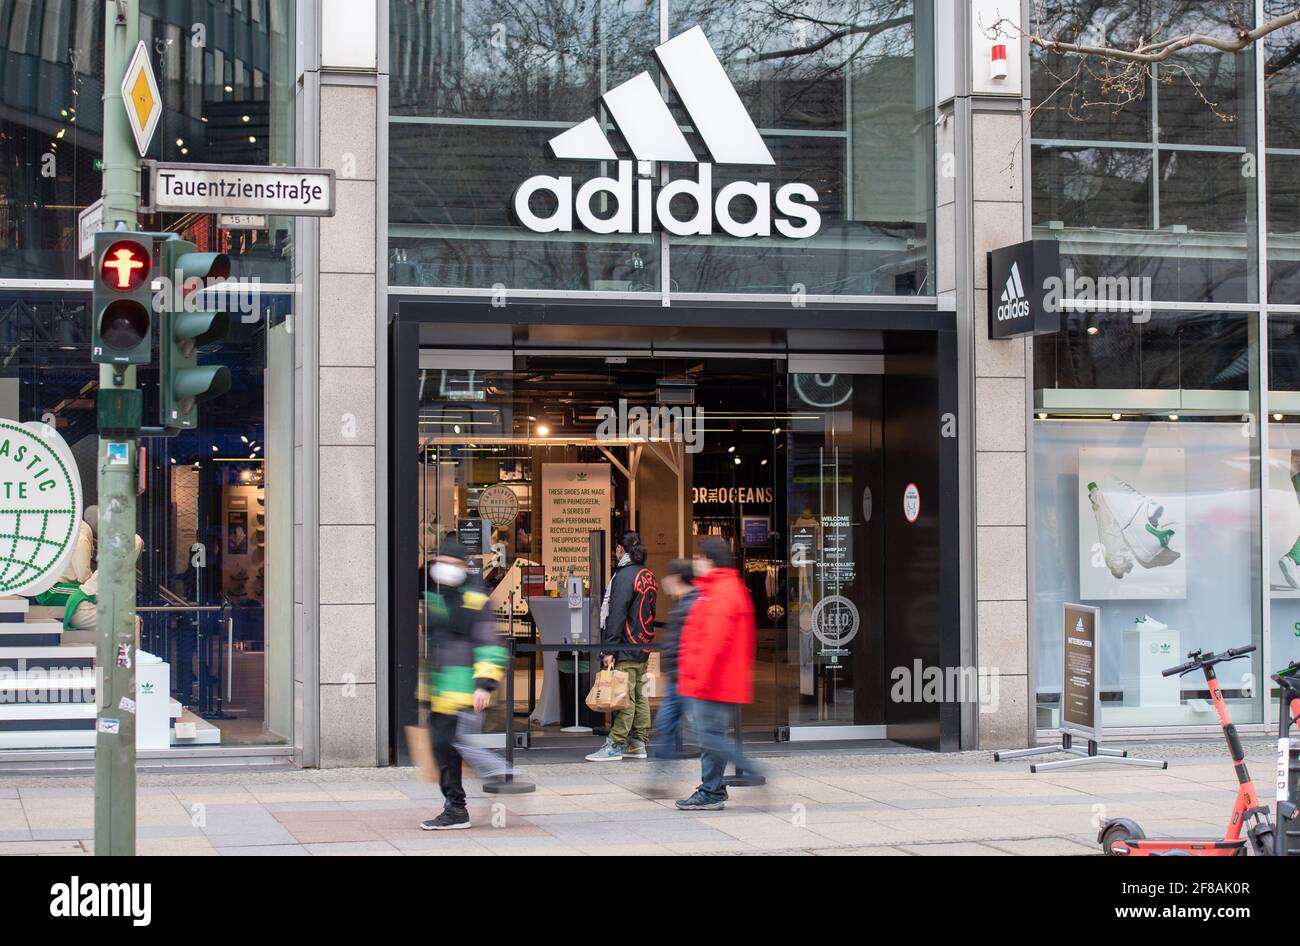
(1080, 699)
(576, 501)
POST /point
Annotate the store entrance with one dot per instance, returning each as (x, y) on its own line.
(523, 455)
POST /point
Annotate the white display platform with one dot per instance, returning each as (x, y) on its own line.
(1146, 654)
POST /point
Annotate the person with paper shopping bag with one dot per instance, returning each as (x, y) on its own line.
(627, 616)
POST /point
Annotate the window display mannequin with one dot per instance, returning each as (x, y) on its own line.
(80, 567)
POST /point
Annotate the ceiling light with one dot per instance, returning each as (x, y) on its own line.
(1093, 330)
(1116, 416)
(1277, 416)
(252, 139)
(543, 430)
(731, 449)
(737, 461)
(1042, 415)
(764, 463)
(245, 117)
(1173, 417)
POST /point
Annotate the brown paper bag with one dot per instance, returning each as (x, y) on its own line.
(609, 693)
(420, 743)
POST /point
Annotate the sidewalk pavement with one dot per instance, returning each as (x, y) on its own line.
(843, 802)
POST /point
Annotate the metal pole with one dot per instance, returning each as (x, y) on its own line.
(115, 605)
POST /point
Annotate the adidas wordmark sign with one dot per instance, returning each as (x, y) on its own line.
(652, 134)
(1014, 304)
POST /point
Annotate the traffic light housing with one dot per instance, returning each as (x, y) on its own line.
(186, 326)
(122, 298)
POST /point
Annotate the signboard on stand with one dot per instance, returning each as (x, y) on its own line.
(576, 501)
(1080, 698)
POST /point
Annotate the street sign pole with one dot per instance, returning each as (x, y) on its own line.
(116, 658)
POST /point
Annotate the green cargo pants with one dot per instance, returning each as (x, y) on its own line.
(634, 720)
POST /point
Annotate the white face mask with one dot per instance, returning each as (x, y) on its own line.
(447, 574)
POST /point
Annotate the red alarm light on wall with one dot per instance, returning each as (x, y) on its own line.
(998, 62)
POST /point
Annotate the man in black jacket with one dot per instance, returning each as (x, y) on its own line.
(627, 616)
(678, 581)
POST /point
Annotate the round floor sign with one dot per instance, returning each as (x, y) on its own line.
(912, 502)
(40, 507)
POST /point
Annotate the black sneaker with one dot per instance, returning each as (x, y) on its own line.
(451, 819)
(698, 802)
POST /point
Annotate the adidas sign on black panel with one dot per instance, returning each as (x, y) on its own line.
(1019, 278)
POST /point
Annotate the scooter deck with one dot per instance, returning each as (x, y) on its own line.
(1203, 847)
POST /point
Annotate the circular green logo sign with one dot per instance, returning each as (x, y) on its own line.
(40, 506)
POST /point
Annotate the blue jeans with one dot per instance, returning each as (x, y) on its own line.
(709, 722)
(668, 721)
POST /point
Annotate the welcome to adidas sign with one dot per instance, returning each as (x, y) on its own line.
(740, 208)
(1017, 279)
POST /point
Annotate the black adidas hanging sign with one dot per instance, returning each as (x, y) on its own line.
(641, 202)
(1018, 280)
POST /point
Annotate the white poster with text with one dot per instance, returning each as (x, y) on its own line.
(576, 499)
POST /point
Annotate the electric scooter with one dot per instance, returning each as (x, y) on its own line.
(1122, 836)
(1288, 762)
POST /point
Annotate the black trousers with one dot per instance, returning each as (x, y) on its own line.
(448, 759)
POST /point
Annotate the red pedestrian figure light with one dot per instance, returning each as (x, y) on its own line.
(125, 265)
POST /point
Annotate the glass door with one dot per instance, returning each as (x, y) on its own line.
(833, 628)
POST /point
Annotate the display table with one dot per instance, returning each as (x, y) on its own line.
(1146, 654)
(557, 623)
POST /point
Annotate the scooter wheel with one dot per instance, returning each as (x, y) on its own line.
(1117, 832)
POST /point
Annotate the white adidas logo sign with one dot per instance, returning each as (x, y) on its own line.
(1014, 304)
(652, 134)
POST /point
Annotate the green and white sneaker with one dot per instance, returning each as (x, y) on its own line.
(635, 749)
(1289, 565)
(606, 753)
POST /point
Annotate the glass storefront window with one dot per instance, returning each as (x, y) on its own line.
(477, 88)
(1157, 182)
(1146, 466)
(1282, 503)
(52, 77)
(216, 503)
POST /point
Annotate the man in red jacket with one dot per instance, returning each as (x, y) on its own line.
(715, 669)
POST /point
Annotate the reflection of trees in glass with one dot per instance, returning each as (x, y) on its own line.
(526, 59)
(1104, 55)
(551, 59)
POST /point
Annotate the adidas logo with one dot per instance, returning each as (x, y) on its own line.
(638, 203)
(1014, 304)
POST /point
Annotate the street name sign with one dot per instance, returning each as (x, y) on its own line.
(239, 189)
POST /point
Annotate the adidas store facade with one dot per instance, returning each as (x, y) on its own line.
(683, 268)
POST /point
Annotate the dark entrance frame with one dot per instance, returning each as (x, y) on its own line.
(926, 383)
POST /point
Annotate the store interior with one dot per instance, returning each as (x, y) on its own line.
(526, 455)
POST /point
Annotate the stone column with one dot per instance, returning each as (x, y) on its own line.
(981, 132)
(340, 387)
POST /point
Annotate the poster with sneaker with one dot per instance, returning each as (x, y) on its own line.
(1284, 523)
(1132, 515)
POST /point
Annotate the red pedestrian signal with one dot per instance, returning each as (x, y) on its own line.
(122, 301)
(125, 265)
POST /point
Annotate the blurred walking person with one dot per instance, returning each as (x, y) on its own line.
(627, 616)
(715, 668)
(466, 664)
(678, 581)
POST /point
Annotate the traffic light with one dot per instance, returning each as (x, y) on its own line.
(183, 383)
(121, 303)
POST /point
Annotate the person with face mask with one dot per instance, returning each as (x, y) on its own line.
(466, 663)
(627, 616)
